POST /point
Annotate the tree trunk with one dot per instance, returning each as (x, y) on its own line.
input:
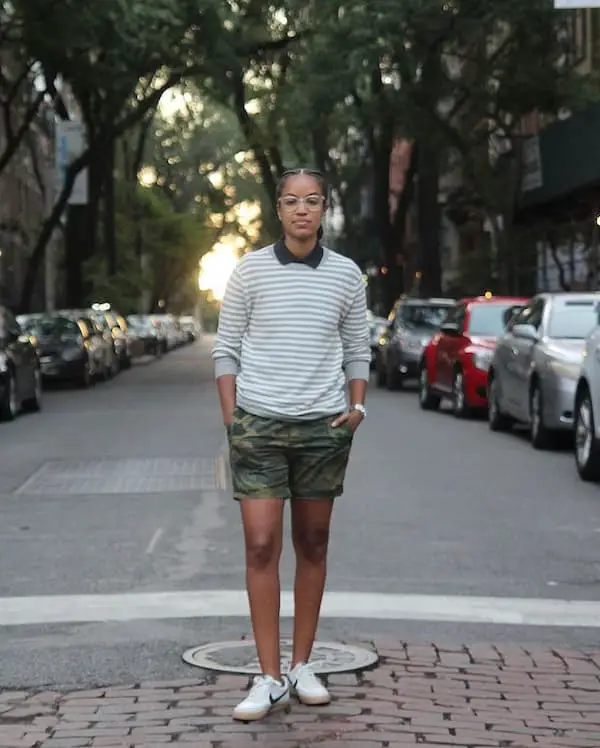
(36, 257)
(429, 221)
(81, 236)
(76, 231)
(110, 231)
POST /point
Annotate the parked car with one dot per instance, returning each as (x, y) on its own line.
(377, 326)
(190, 327)
(114, 333)
(20, 377)
(104, 363)
(411, 325)
(456, 361)
(147, 331)
(587, 410)
(69, 349)
(535, 369)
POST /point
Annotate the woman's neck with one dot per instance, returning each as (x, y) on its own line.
(301, 247)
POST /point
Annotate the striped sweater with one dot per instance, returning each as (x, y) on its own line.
(292, 332)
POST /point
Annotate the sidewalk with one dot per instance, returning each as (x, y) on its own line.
(483, 695)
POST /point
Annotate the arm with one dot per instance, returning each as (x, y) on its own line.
(226, 352)
(355, 343)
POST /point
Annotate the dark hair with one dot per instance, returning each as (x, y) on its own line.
(314, 173)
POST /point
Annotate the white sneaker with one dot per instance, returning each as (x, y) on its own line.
(306, 686)
(266, 695)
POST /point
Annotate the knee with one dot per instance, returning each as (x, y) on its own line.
(262, 551)
(311, 545)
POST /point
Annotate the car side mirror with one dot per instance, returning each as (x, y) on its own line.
(528, 332)
(450, 329)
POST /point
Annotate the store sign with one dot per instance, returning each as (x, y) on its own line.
(532, 176)
(70, 144)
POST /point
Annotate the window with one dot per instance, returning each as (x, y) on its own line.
(459, 318)
(531, 314)
(422, 315)
(573, 320)
(58, 327)
(488, 320)
(11, 324)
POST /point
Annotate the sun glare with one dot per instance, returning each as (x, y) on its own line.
(215, 268)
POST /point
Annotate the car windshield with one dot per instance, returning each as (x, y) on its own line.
(421, 315)
(57, 327)
(489, 320)
(141, 323)
(573, 320)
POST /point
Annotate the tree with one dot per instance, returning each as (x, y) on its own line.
(103, 52)
(173, 245)
(359, 77)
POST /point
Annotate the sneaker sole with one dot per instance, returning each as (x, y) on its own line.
(256, 716)
(313, 700)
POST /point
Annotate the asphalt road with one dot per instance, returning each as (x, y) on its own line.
(120, 489)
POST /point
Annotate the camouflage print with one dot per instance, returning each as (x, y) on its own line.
(287, 459)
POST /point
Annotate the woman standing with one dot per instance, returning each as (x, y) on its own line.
(292, 364)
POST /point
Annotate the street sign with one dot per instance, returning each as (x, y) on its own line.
(575, 4)
(70, 144)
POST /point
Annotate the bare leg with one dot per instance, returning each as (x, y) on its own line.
(263, 529)
(310, 532)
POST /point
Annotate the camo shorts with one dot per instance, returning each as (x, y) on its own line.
(287, 459)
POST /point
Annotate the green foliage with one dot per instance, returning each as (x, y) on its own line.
(110, 44)
(160, 247)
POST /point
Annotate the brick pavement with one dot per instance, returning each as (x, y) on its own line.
(473, 696)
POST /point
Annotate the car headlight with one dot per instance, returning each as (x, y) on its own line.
(564, 369)
(3, 362)
(71, 354)
(482, 358)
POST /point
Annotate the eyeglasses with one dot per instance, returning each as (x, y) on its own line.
(312, 203)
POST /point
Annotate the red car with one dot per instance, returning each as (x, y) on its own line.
(455, 363)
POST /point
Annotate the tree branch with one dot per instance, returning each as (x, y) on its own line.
(14, 140)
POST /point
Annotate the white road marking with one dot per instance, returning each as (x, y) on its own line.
(46, 609)
(154, 541)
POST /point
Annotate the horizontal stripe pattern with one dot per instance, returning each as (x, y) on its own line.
(293, 334)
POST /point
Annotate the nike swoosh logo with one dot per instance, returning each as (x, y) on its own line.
(274, 701)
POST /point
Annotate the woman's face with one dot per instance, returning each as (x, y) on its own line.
(301, 206)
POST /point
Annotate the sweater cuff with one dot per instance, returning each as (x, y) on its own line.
(357, 370)
(224, 366)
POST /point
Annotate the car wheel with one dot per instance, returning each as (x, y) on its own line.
(85, 379)
(394, 379)
(115, 364)
(587, 444)
(541, 437)
(34, 403)
(460, 408)
(9, 405)
(427, 399)
(497, 420)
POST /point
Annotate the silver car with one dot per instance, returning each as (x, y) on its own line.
(587, 411)
(534, 372)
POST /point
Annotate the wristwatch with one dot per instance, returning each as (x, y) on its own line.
(361, 409)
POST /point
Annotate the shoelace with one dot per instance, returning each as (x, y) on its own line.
(259, 682)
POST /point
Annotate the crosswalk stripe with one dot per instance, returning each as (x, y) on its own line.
(48, 609)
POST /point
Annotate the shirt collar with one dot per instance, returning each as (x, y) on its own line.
(285, 257)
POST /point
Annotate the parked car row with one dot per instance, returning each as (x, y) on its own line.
(80, 346)
(533, 361)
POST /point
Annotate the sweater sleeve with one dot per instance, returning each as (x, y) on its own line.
(233, 320)
(355, 335)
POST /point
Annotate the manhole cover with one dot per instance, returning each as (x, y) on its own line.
(240, 657)
(126, 476)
